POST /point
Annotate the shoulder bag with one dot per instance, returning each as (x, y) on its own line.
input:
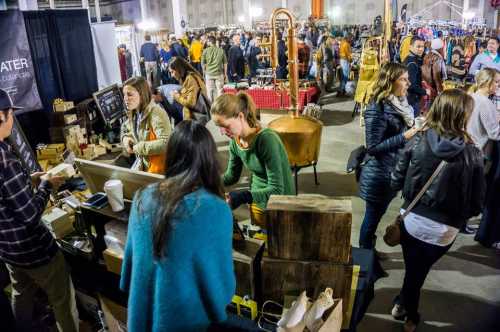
(392, 236)
(201, 111)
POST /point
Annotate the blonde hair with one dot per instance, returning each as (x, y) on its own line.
(484, 78)
(449, 114)
(230, 106)
(388, 74)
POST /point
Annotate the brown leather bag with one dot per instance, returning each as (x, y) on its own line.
(392, 236)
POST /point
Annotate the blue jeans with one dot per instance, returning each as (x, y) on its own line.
(373, 213)
(345, 65)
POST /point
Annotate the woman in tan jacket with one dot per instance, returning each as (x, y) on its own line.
(192, 85)
(146, 131)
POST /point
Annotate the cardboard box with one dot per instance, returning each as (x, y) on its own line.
(50, 151)
(65, 170)
(99, 150)
(115, 315)
(58, 222)
(70, 118)
(63, 106)
(113, 261)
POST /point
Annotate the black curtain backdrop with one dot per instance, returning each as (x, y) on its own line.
(63, 57)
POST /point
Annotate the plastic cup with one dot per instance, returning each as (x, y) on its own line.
(114, 191)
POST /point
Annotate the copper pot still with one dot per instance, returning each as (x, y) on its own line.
(301, 135)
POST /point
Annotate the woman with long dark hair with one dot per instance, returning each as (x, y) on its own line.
(387, 119)
(192, 85)
(178, 267)
(454, 195)
(180, 100)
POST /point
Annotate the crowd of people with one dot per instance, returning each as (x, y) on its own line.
(324, 54)
(177, 266)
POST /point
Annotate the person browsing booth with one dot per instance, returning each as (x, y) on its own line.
(260, 150)
(26, 246)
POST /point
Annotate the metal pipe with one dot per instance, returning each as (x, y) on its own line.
(293, 70)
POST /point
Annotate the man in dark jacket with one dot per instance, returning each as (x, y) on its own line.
(150, 57)
(178, 49)
(414, 63)
(282, 70)
(236, 61)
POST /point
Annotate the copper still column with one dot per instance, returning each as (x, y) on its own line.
(301, 135)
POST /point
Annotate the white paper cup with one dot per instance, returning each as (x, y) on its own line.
(114, 191)
(419, 122)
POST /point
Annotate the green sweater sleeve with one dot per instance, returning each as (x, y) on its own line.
(234, 166)
(271, 154)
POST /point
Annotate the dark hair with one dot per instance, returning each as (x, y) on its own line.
(182, 67)
(141, 85)
(440, 34)
(494, 38)
(191, 164)
(484, 44)
(415, 39)
(147, 37)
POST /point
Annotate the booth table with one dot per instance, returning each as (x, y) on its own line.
(278, 99)
(94, 277)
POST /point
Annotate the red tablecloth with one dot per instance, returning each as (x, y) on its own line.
(278, 99)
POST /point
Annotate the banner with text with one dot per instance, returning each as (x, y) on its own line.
(17, 76)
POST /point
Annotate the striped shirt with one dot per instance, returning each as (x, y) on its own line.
(24, 240)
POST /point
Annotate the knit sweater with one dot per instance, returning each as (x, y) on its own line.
(483, 123)
(190, 287)
(267, 159)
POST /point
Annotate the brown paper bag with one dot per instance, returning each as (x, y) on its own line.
(334, 321)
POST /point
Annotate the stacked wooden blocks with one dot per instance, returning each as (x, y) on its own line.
(309, 247)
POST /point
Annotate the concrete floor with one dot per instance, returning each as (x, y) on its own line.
(462, 291)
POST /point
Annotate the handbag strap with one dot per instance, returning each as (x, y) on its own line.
(424, 188)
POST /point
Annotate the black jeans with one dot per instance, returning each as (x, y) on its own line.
(373, 213)
(419, 257)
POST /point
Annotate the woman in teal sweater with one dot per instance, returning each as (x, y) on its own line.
(178, 267)
(259, 150)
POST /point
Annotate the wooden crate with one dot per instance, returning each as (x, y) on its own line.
(247, 257)
(282, 278)
(309, 227)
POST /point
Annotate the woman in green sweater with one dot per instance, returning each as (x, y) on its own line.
(260, 150)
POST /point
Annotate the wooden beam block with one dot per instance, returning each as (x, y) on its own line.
(282, 278)
(309, 227)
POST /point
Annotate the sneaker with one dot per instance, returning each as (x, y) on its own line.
(398, 312)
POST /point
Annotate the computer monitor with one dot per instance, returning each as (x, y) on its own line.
(110, 103)
(96, 174)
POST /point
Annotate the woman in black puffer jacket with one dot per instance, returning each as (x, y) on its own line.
(387, 120)
(456, 194)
